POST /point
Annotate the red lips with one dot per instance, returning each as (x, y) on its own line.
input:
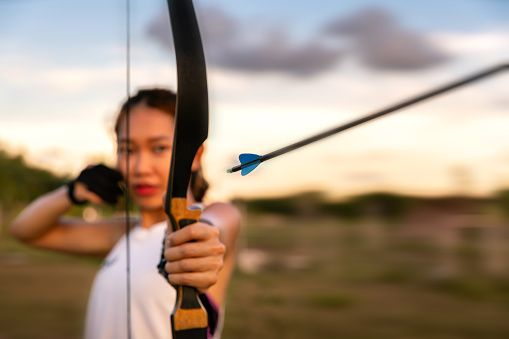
(145, 189)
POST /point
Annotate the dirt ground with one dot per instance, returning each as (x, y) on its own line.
(297, 278)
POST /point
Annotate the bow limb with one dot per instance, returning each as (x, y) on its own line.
(189, 317)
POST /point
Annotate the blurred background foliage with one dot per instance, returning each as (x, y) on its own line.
(380, 265)
(20, 183)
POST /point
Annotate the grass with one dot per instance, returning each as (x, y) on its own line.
(348, 285)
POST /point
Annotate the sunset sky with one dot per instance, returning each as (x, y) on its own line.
(279, 71)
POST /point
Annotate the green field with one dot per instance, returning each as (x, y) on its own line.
(315, 278)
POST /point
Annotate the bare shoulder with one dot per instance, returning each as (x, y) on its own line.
(222, 215)
(227, 218)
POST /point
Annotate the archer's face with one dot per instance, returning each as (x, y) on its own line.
(149, 149)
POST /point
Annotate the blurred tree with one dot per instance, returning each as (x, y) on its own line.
(387, 206)
(502, 199)
(20, 183)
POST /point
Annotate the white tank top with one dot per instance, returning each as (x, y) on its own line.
(152, 297)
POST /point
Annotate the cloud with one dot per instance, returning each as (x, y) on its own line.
(382, 43)
(374, 35)
(233, 45)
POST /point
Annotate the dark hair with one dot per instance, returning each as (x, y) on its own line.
(164, 100)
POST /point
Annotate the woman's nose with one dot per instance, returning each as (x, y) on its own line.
(141, 163)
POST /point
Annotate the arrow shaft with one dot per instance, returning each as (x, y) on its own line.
(378, 114)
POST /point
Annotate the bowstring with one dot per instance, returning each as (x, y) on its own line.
(127, 200)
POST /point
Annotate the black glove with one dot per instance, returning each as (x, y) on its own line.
(100, 180)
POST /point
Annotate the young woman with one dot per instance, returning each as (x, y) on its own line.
(199, 255)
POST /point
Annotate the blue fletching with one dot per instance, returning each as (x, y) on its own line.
(245, 158)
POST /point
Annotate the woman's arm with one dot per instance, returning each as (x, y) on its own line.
(41, 225)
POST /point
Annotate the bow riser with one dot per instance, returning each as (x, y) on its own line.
(189, 313)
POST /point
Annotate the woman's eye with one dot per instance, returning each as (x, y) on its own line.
(160, 148)
(125, 150)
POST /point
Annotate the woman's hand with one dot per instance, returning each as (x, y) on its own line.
(81, 193)
(97, 184)
(194, 256)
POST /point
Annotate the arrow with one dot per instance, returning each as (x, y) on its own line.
(248, 162)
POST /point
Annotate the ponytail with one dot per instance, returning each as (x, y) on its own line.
(199, 185)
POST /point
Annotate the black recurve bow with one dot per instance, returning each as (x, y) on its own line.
(189, 317)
